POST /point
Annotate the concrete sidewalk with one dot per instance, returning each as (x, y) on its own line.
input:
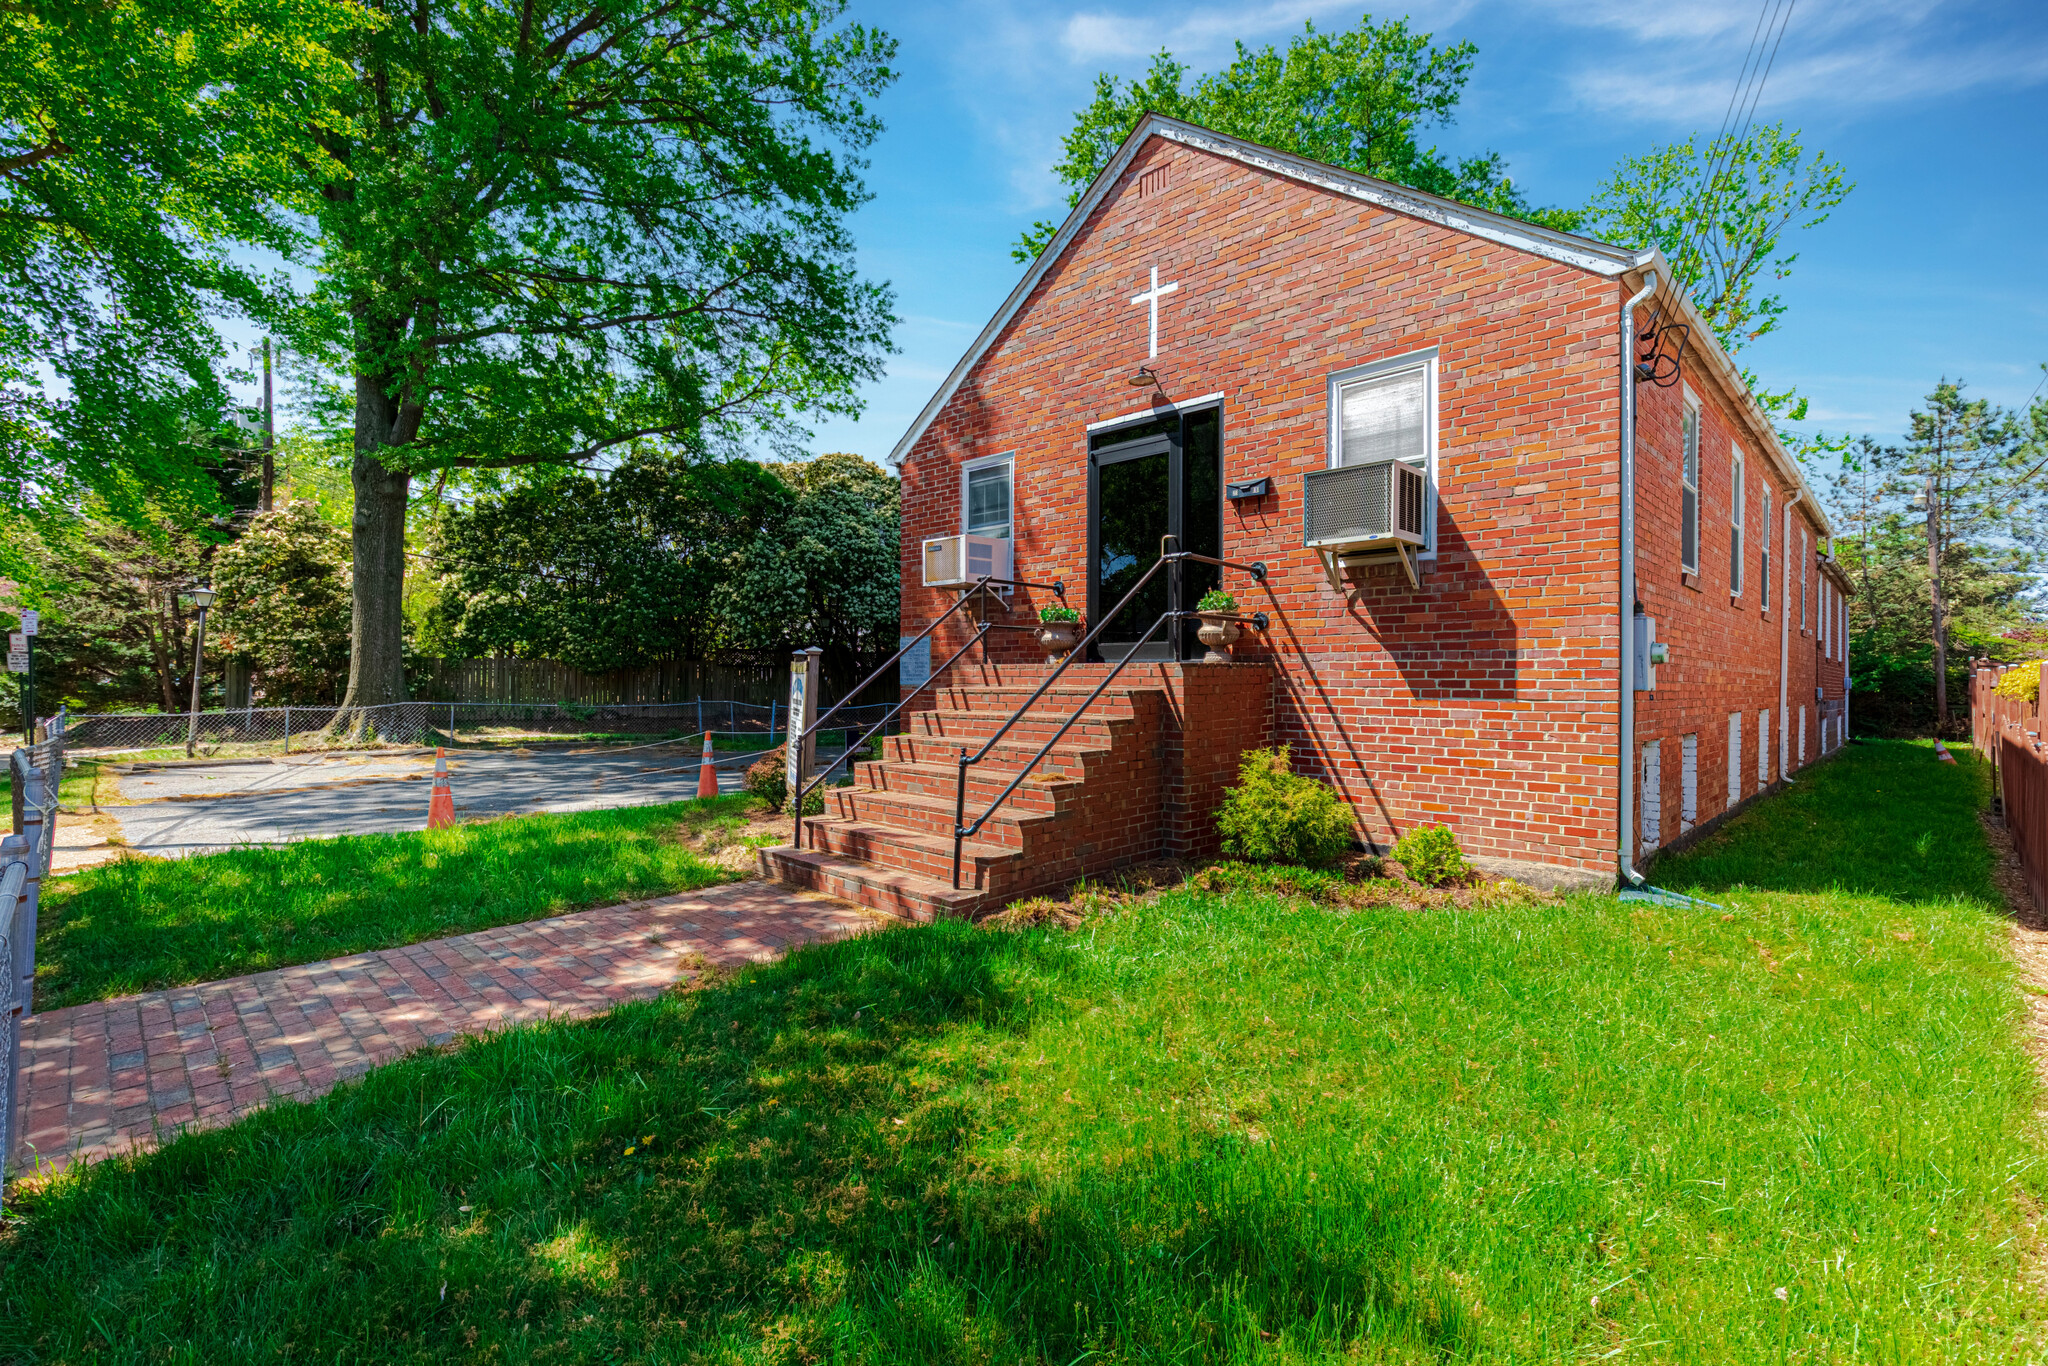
(113, 1076)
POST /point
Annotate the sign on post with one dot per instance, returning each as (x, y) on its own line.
(793, 748)
(29, 622)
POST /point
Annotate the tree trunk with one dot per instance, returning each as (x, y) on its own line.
(1940, 617)
(376, 665)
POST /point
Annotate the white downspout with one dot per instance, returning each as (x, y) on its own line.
(1626, 820)
(1785, 641)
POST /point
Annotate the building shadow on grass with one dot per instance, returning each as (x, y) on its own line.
(1877, 818)
(795, 1163)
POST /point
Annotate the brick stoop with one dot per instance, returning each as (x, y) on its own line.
(1112, 792)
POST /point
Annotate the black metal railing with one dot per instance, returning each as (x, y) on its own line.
(1057, 588)
(1172, 616)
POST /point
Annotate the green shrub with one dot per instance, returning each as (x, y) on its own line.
(1216, 600)
(1274, 815)
(1309, 884)
(768, 778)
(1431, 856)
(1056, 616)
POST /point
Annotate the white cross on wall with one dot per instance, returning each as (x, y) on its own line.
(1152, 297)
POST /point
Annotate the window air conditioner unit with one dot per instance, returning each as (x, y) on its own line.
(959, 561)
(1364, 514)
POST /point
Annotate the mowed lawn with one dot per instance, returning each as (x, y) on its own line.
(1205, 1128)
(140, 924)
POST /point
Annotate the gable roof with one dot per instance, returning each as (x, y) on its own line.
(1626, 264)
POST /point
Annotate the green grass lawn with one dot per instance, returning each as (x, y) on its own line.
(1211, 1127)
(140, 924)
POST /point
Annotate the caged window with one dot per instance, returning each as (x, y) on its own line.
(1689, 497)
(988, 499)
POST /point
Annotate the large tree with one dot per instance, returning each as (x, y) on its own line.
(1720, 213)
(559, 227)
(139, 141)
(1354, 98)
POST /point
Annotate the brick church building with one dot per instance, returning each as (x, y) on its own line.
(1232, 351)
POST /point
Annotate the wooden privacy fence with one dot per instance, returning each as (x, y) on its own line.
(546, 680)
(2008, 730)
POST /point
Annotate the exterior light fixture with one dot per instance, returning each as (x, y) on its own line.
(202, 598)
(1144, 378)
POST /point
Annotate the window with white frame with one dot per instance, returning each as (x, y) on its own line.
(1689, 491)
(985, 496)
(1763, 559)
(1387, 411)
(1735, 521)
(1803, 557)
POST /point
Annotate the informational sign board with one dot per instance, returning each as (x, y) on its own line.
(17, 661)
(28, 623)
(16, 642)
(915, 667)
(793, 754)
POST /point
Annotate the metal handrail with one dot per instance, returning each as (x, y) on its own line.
(1058, 588)
(1257, 569)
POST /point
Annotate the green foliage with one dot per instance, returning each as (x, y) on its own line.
(601, 572)
(1216, 600)
(1208, 1128)
(1276, 816)
(142, 141)
(768, 778)
(1430, 855)
(284, 605)
(1719, 213)
(1918, 619)
(1053, 616)
(1355, 98)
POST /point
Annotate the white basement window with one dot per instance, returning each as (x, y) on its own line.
(1763, 565)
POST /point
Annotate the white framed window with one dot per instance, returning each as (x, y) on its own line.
(1653, 795)
(1763, 749)
(1735, 520)
(1689, 489)
(1763, 559)
(986, 495)
(1388, 410)
(1734, 757)
(1803, 558)
(1688, 783)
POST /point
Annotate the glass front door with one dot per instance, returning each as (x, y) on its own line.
(1147, 483)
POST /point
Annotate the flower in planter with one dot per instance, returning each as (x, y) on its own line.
(1058, 616)
(1216, 600)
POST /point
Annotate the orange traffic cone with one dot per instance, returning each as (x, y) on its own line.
(441, 806)
(707, 776)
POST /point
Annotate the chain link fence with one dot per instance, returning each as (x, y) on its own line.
(282, 730)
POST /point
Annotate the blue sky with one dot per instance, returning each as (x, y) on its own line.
(1937, 264)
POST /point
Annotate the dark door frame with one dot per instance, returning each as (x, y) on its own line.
(1138, 448)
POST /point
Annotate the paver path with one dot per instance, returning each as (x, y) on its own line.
(114, 1075)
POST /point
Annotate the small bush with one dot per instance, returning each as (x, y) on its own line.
(2022, 681)
(1431, 856)
(1274, 815)
(767, 780)
(1057, 616)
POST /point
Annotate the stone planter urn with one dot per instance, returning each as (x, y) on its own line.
(1058, 638)
(1219, 633)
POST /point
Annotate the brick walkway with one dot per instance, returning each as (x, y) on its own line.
(113, 1075)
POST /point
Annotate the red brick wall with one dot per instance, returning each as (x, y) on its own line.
(1486, 700)
(1725, 646)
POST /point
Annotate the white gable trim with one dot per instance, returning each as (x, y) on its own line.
(1582, 252)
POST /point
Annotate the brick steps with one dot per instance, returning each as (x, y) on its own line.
(1091, 803)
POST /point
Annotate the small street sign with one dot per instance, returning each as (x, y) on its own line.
(17, 642)
(28, 623)
(17, 663)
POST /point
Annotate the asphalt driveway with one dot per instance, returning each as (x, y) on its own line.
(192, 810)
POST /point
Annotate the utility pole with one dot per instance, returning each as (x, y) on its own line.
(269, 433)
